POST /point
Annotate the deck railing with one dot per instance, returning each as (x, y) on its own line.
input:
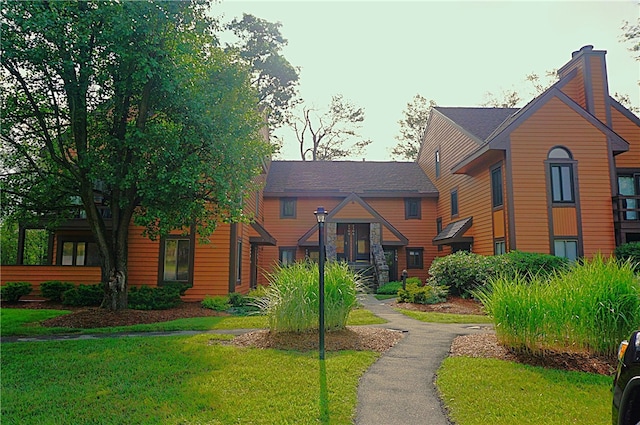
(626, 209)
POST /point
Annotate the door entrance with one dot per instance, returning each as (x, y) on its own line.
(352, 242)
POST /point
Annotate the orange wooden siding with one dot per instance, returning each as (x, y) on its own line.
(575, 89)
(565, 222)
(628, 130)
(557, 124)
(143, 258)
(211, 265)
(38, 274)
(599, 88)
(499, 224)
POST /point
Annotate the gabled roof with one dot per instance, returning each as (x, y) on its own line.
(477, 122)
(454, 232)
(340, 178)
(390, 235)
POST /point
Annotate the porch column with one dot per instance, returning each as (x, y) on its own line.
(331, 231)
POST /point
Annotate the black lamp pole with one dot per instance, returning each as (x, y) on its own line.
(321, 214)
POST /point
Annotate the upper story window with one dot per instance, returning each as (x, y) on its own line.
(496, 187)
(287, 207)
(561, 169)
(437, 163)
(454, 202)
(412, 208)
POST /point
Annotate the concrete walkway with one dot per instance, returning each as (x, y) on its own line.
(399, 388)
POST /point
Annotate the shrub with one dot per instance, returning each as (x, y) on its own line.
(292, 299)
(463, 272)
(390, 288)
(217, 303)
(12, 291)
(154, 298)
(427, 294)
(84, 295)
(529, 264)
(590, 307)
(259, 291)
(629, 251)
(181, 287)
(236, 299)
(54, 289)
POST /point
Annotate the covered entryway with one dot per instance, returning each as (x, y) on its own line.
(352, 242)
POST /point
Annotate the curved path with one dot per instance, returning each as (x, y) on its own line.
(399, 388)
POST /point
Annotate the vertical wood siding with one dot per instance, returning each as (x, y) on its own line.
(557, 124)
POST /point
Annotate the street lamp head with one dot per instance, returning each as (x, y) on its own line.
(321, 214)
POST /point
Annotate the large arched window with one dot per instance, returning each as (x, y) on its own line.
(561, 170)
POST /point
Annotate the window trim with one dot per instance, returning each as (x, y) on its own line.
(454, 194)
(407, 208)
(420, 251)
(497, 203)
(567, 162)
(161, 255)
(284, 202)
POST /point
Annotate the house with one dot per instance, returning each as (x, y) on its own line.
(560, 176)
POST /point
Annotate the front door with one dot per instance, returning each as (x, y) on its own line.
(352, 242)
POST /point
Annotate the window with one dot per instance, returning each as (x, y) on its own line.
(78, 253)
(454, 202)
(561, 168)
(312, 254)
(287, 256)
(567, 248)
(496, 187)
(288, 208)
(415, 258)
(176, 260)
(412, 208)
(239, 260)
(437, 163)
(499, 247)
(438, 230)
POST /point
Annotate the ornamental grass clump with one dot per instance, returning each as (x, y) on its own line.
(291, 301)
(590, 307)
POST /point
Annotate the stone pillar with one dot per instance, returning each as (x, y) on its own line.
(331, 231)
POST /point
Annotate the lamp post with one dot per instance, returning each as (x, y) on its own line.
(321, 215)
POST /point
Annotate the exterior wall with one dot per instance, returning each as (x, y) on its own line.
(629, 131)
(575, 89)
(474, 189)
(143, 258)
(557, 124)
(38, 274)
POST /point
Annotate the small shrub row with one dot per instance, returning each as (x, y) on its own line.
(55, 289)
(154, 298)
(84, 295)
(12, 291)
(427, 294)
(216, 303)
(629, 252)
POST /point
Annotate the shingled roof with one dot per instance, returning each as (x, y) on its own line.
(480, 122)
(372, 179)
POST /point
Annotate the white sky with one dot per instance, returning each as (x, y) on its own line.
(379, 54)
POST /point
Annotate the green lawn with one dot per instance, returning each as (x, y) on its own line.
(26, 322)
(489, 391)
(171, 380)
(428, 316)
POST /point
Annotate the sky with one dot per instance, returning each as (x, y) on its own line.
(380, 54)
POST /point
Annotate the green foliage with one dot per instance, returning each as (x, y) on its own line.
(292, 298)
(412, 128)
(236, 299)
(154, 298)
(181, 287)
(591, 306)
(84, 295)
(531, 263)
(12, 291)
(54, 289)
(427, 294)
(390, 288)
(35, 244)
(463, 271)
(629, 251)
(217, 303)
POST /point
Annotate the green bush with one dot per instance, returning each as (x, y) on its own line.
(12, 291)
(259, 291)
(463, 272)
(531, 264)
(629, 251)
(591, 306)
(154, 298)
(292, 299)
(236, 299)
(427, 294)
(181, 287)
(217, 303)
(391, 288)
(54, 289)
(84, 296)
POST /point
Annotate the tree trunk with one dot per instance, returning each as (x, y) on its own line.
(115, 288)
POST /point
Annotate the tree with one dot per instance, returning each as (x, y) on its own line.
(330, 136)
(128, 103)
(631, 34)
(260, 44)
(412, 127)
(510, 98)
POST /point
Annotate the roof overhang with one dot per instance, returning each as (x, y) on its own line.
(454, 233)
